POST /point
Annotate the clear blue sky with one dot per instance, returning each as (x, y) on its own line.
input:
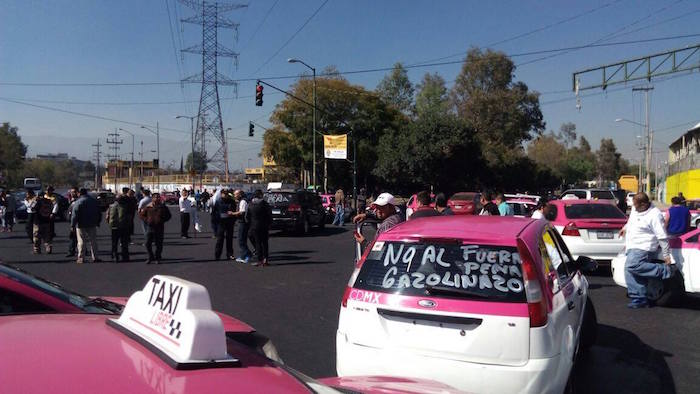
(86, 41)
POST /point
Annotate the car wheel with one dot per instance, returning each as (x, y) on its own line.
(589, 327)
(668, 292)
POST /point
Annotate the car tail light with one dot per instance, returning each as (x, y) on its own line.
(294, 208)
(571, 230)
(349, 287)
(536, 301)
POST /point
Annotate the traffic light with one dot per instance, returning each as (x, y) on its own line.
(258, 95)
(251, 129)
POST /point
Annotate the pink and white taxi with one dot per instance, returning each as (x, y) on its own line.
(167, 340)
(484, 304)
(685, 253)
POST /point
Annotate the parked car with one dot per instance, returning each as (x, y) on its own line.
(465, 203)
(412, 204)
(589, 227)
(685, 254)
(296, 210)
(588, 194)
(158, 344)
(20, 208)
(483, 304)
(22, 292)
(694, 207)
(522, 207)
(169, 198)
(104, 198)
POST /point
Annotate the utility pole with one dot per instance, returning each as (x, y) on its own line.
(208, 14)
(98, 178)
(141, 161)
(650, 137)
(115, 142)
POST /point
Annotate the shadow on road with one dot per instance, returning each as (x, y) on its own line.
(621, 363)
(315, 232)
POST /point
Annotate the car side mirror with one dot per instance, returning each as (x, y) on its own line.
(585, 264)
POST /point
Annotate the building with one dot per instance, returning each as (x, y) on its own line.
(684, 166)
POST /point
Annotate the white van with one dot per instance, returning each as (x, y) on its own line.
(32, 183)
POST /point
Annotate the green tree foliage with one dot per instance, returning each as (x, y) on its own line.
(609, 160)
(432, 150)
(571, 165)
(12, 152)
(199, 164)
(567, 133)
(342, 108)
(57, 173)
(431, 99)
(502, 112)
(397, 90)
(547, 152)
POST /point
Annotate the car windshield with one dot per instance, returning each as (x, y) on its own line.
(692, 205)
(593, 211)
(82, 302)
(460, 271)
(602, 195)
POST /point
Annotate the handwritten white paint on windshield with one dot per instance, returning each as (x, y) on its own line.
(276, 198)
(468, 267)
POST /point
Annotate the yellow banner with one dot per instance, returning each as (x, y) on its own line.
(335, 146)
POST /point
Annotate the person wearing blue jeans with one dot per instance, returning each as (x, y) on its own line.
(339, 208)
(644, 233)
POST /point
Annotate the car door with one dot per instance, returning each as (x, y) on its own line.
(565, 309)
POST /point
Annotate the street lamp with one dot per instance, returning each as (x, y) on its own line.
(157, 133)
(649, 144)
(131, 166)
(649, 147)
(191, 118)
(313, 163)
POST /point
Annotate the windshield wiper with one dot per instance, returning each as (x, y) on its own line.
(432, 290)
(104, 304)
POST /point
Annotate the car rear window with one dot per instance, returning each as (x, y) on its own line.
(278, 198)
(602, 195)
(593, 211)
(459, 271)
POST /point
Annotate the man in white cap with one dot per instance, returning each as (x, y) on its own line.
(383, 209)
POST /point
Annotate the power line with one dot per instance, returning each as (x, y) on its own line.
(257, 29)
(89, 115)
(537, 30)
(292, 37)
(605, 37)
(360, 71)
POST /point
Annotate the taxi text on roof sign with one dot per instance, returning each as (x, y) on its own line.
(174, 316)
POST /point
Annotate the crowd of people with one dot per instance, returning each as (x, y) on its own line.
(84, 215)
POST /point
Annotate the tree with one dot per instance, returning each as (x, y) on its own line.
(343, 108)
(432, 96)
(12, 153)
(547, 152)
(567, 132)
(200, 162)
(396, 89)
(503, 113)
(608, 160)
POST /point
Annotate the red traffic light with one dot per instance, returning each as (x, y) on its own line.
(259, 95)
(259, 88)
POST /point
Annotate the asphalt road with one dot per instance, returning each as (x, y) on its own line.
(295, 302)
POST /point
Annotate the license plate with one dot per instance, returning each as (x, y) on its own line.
(604, 235)
(276, 212)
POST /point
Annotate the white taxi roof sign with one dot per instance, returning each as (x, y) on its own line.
(173, 318)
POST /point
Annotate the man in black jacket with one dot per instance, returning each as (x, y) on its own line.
(225, 208)
(259, 218)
